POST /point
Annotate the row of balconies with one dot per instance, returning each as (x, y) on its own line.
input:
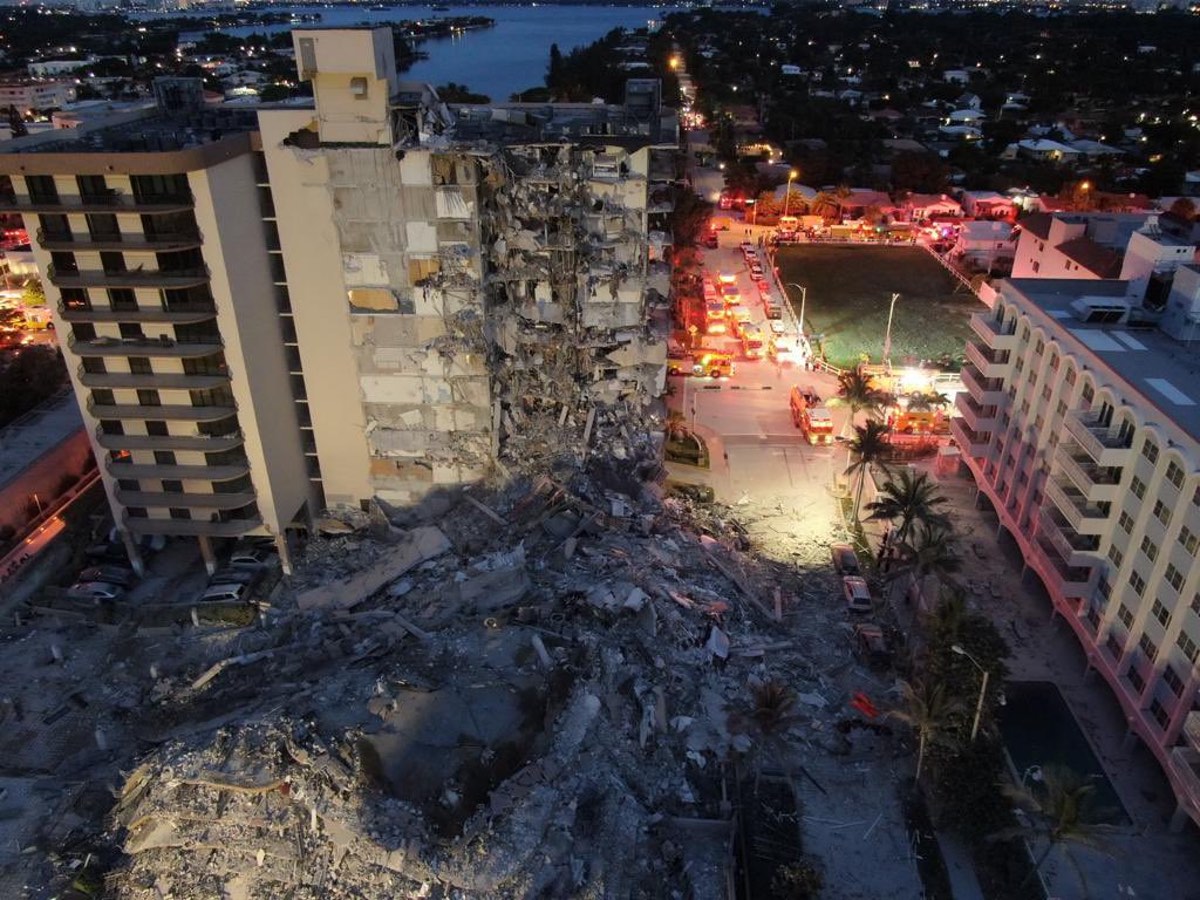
(185, 314)
(194, 443)
(109, 202)
(996, 335)
(129, 278)
(177, 412)
(228, 527)
(165, 346)
(180, 381)
(162, 242)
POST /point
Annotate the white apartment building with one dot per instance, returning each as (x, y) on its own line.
(25, 95)
(1081, 424)
(270, 311)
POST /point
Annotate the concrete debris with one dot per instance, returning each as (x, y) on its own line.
(465, 710)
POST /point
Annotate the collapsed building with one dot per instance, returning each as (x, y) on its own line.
(372, 297)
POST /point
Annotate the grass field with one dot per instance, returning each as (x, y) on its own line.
(850, 287)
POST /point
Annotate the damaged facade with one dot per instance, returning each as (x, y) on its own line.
(376, 296)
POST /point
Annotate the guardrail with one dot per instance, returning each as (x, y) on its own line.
(17, 558)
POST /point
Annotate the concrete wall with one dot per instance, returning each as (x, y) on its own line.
(43, 476)
(320, 307)
(235, 250)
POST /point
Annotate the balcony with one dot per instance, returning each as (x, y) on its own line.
(977, 417)
(198, 443)
(130, 278)
(1191, 729)
(160, 413)
(182, 314)
(989, 363)
(1104, 444)
(994, 335)
(1084, 517)
(1097, 484)
(976, 444)
(166, 241)
(188, 527)
(176, 381)
(110, 202)
(166, 347)
(166, 499)
(178, 472)
(1063, 579)
(1076, 550)
(1184, 764)
(984, 391)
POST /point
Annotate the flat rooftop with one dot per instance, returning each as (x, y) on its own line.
(25, 441)
(1142, 362)
(153, 132)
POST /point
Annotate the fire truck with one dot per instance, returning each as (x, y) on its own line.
(813, 420)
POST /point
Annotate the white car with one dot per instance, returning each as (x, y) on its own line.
(857, 594)
(777, 326)
(225, 593)
(95, 590)
(252, 558)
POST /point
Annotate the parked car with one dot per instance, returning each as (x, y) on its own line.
(711, 241)
(95, 590)
(857, 594)
(252, 558)
(773, 311)
(225, 593)
(118, 575)
(746, 247)
(756, 272)
(871, 644)
(845, 561)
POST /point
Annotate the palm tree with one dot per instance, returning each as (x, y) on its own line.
(856, 391)
(908, 499)
(868, 447)
(1062, 816)
(928, 712)
(826, 206)
(931, 551)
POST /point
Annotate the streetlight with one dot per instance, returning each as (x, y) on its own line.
(982, 686)
(788, 196)
(887, 338)
(803, 300)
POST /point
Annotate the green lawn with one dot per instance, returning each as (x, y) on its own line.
(850, 287)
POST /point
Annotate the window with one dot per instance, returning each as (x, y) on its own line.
(1116, 556)
(1087, 395)
(164, 457)
(1188, 540)
(1172, 680)
(1115, 644)
(1150, 450)
(1136, 679)
(1149, 548)
(140, 365)
(172, 486)
(1137, 582)
(1069, 376)
(1125, 615)
(1053, 361)
(1162, 512)
(1160, 714)
(148, 398)
(1039, 347)
(1189, 647)
(1196, 603)
(1126, 522)
(157, 429)
(1104, 586)
(1174, 577)
(1161, 613)
(1061, 409)
(1046, 392)
(1175, 474)
(1137, 487)
(1020, 365)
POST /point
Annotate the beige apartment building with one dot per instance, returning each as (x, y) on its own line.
(1081, 424)
(370, 297)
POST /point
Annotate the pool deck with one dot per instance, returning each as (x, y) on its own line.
(1148, 861)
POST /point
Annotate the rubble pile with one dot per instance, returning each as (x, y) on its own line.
(546, 694)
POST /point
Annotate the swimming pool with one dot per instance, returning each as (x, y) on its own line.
(1039, 729)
